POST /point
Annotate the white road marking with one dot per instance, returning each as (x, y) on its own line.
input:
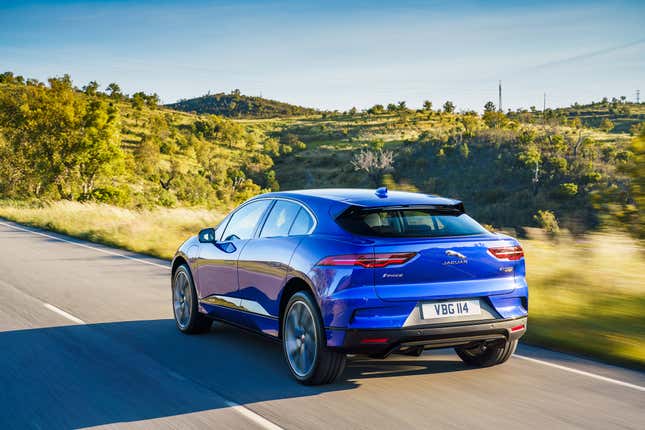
(63, 313)
(582, 372)
(240, 409)
(256, 418)
(82, 245)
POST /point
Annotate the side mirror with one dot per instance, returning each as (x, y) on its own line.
(207, 235)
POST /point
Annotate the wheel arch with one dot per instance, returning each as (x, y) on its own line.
(293, 285)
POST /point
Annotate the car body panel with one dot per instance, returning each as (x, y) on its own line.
(246, 286)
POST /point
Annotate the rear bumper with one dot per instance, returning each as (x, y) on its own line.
(385, 341)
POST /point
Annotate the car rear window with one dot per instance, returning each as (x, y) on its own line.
(408, 223)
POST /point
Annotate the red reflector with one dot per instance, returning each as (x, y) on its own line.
(374, 340)
(367, 260)
(518, 327)
(507, 253)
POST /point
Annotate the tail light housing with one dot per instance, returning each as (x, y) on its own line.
(509, 253)
(368, 261)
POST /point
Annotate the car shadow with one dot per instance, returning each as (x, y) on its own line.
(87, 375)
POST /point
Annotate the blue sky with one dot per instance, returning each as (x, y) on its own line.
(336, 54)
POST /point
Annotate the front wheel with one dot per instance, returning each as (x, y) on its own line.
(184, 303)
(303, 343)
(485, 355)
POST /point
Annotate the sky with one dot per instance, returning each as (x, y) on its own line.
(336, 54)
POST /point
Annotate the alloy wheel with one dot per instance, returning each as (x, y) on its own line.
(301, 342)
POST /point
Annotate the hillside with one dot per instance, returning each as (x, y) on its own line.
(512, 170)
(236, 105)
(614, 116)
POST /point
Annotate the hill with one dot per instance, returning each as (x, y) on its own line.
(236, 105)
(512, 170)
(614, 116)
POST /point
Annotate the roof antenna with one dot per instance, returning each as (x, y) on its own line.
(381, 192)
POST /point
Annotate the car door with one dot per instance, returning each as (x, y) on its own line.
(217, 262)
(263, 264)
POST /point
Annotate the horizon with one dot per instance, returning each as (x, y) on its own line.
(335, 56)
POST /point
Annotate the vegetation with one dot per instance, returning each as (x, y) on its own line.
(237, 105)
(156, 232)
(587, 296)
(59, 142)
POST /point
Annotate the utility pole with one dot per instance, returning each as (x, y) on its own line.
(500, 97)
(638, 96)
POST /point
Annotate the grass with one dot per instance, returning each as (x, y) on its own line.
(587, 295)
(157, 232)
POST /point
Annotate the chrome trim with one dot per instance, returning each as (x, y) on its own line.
(235, 303)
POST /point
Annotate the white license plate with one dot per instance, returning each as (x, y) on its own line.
(461, 308)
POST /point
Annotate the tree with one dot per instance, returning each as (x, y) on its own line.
(606, 125)
(391, 107)
(448, 107)
(91, 88)
(489, 107)
(402, 105)
(114, 90)
(98, 149)
(374, 163)
(58, 143)
(376, 110)
(427, 105)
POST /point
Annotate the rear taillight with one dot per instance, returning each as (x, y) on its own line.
(367, 260)
(511, 253)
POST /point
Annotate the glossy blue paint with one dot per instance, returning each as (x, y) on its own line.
(252, 272)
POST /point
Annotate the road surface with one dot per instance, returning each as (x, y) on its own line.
(87, 340)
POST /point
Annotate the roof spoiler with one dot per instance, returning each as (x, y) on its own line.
(456, 208)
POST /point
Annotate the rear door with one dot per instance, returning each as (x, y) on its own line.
(264, 262)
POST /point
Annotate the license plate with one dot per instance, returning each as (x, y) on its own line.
(459, 308)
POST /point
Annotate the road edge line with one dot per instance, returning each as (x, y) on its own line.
(63, 313)
(582, 372)
(82, 245)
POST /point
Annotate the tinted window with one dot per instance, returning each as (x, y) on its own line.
(409, 223)
(243, 221)
(280, 219)
(302, 224)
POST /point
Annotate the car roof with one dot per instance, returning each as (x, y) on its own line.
(365, 197)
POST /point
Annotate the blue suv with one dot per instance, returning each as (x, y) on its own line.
(337, 271)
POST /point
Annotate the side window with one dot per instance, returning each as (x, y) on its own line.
(243, 222)
(280, 219)
(302, 223)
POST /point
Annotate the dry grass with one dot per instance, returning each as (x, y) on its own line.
(156, 232)
(586, 296)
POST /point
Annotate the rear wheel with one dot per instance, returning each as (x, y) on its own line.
(484, 355)
(184, 303)
(303, 343)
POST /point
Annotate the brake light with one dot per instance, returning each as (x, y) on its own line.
(369, 261)
(375, 340)
(511, 253)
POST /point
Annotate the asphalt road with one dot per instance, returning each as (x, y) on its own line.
(87, 339)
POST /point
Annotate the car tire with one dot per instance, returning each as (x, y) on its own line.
(490, 355)
(304, 343)
(184, 299)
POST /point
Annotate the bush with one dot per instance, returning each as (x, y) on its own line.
(547, 221)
